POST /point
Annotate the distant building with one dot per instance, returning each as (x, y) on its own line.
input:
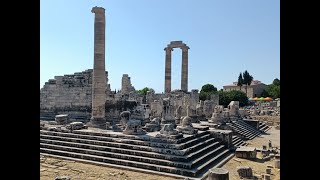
(253, 90)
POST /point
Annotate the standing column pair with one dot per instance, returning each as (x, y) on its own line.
(184, 69)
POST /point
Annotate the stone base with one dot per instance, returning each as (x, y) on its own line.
(187, 130)
(177, 120)
(139, 132)
(164, 121)
(116, 128)
(97, 123)
(201, 118)
(194, 119)
(166, 136)
(152, 127)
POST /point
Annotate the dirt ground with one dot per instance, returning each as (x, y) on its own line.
(271, 120)
(53, 167)
(258, 167)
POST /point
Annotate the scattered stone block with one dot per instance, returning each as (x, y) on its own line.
(218, 174)
(271, 155)
(277, 163)
(267, 177)
(76, 126)
(268, 170)
(62, 119)
(244, 171)
(133, 127)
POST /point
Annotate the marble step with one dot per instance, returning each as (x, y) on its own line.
(141, 137)
(240, 131)
(181, 171)
(153, 160)
(201, 143)
(248, 131)
(247, 128)
(194, 152)
(191, 142)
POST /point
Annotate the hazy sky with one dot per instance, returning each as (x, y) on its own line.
(225, 37)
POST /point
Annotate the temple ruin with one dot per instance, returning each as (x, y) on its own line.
(173, 133)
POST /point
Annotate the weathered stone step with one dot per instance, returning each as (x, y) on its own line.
(116, 161)
(238, 130)
(195, 151)
(118, 166)
(236, 142)
(191, 142)
(181, 152)
(140, 137)
(167, 169)
(261, 125)
(207, 151)
(244, 124)
(118, 156)
(240, 143)
(115, 144)
(264, 128)
(252, 133)
(115, 150)
(216, 158)
(205, 157)
(246, 128)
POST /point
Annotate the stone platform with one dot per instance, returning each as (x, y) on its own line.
(190, 156)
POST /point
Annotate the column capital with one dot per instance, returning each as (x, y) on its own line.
(185, 48)
(98, 10)
(168, 49)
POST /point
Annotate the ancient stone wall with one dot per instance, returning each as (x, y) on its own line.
(126, 86)
(70, 93)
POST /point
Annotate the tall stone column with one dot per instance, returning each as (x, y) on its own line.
(99, 83)
(167, 77)
(184, 69)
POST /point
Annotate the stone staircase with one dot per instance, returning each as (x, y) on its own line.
(263, 127)
(244, 129)
(236, 141)
(191, 156)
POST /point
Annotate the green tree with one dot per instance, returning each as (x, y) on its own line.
(240, 80)
(276, 82)
(234, 95)
(144, 93)
(224, 98)
(144, 90)
(208, 88)
(274, 89)
(264, 93)
(247, 79)
(206, 91)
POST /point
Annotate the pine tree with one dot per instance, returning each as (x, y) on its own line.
(247, 79)
(240, 81)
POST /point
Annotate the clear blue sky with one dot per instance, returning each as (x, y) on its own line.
(225, 37)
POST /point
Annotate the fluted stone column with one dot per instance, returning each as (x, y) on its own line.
(184, 69)
(167, 77)
(99, 75)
